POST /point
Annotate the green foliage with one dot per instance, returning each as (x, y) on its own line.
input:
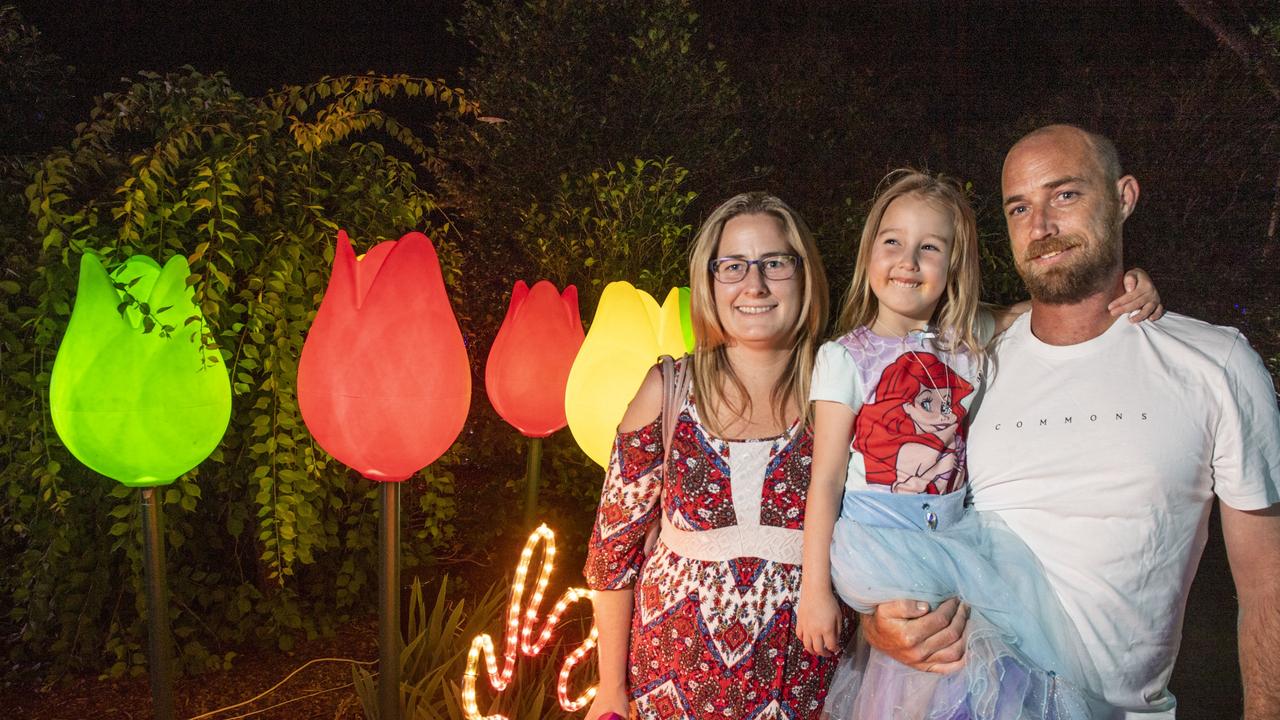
(33, 86)
(569, 87)
(435, 651)
(627, 222)
(435, 655)
(568, 90)
(269, 538)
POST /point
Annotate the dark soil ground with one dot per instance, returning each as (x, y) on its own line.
(322, 690)
(1206, 679)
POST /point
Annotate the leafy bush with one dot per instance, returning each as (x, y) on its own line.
(570, 86)
(268, 539)
(626, 222)
(34, 88)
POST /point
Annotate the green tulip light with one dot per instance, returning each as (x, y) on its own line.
(137, 397)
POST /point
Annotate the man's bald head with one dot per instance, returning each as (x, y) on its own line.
(1100, 147)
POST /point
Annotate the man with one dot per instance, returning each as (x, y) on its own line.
(1102, 443)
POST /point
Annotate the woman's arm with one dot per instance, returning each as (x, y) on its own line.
(818, 612)
(613, 624)
(613, 598)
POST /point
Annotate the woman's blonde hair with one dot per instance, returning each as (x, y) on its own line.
(712, 371)
(957, 309)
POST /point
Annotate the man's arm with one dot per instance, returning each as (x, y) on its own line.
(908, 632)
(1253, 548)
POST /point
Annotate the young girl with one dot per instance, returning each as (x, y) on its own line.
(891, 396)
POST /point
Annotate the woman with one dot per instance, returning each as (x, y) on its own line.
(710, 633)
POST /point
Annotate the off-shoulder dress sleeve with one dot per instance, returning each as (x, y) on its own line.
(628, 508)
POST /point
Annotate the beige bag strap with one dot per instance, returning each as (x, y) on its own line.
(675, 387)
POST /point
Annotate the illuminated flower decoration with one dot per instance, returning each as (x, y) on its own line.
(529, 363)
(628, 334)
(383, 382)
(136, 396)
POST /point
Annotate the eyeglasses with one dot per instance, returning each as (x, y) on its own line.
(729, 270)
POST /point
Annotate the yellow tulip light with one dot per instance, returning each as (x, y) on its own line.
(628, 335)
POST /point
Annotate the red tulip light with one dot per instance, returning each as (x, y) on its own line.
(529, 364)
(384, 386)
(383, 382)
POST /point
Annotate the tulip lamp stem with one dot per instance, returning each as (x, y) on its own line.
(532, 476)
(389, 639)
(159, 658)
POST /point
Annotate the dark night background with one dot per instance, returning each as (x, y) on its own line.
(833, 95)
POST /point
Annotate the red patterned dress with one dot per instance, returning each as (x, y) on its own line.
(713, 632)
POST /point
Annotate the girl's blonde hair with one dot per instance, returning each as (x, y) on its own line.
(712, 371)
(957, 309)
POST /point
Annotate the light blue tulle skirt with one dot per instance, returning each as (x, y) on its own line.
(1024, 659)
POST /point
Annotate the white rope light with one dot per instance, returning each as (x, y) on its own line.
(518, 633)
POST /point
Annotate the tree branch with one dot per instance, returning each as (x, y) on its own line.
(1247, 46)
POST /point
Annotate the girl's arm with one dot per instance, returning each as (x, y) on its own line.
(1141, 300)
(818, 612)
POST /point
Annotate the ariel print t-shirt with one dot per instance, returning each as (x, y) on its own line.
(910, 400)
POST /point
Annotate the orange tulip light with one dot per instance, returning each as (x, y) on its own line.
(531, 356)
(384, 386)
(528, 367)
(383, 382)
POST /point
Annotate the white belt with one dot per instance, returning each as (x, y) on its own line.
(736, 541)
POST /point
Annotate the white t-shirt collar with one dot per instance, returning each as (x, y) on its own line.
(1104, 342)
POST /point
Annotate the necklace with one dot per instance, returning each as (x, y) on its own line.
(918, 333)
(919, 336)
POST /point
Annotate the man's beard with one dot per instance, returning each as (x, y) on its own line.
(1091, 271)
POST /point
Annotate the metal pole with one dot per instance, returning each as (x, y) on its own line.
(159, 658)
(389, 638)
(532, 476)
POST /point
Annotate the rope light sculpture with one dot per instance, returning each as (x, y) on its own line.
(518, 637)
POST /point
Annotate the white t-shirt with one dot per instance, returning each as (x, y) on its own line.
(1104, 457)
(910, 399)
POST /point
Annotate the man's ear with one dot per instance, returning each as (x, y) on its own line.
(1127, 190)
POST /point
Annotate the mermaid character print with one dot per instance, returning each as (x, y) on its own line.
(912, 433)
